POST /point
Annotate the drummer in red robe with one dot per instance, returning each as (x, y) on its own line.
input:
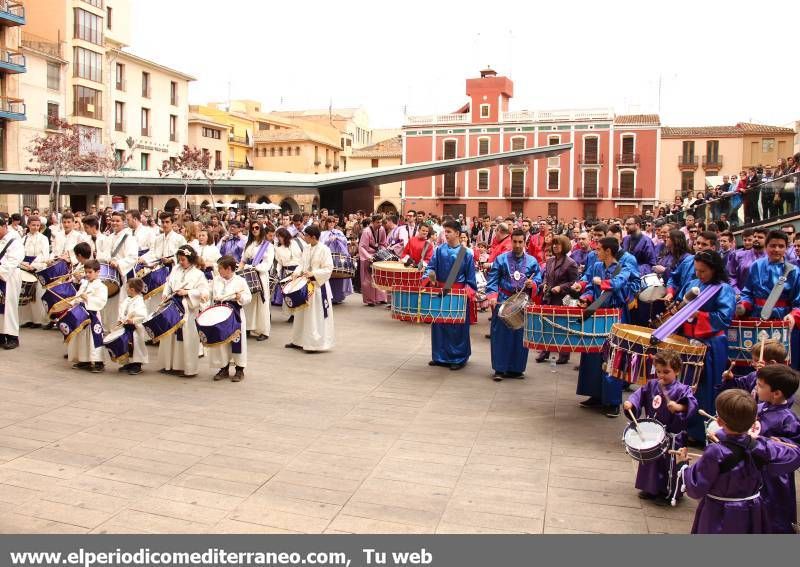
(510, 273)
(416, 247)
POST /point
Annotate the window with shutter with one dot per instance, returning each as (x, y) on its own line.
(590, 153)
(483, 180)
(517, 143)
(626, 185)
(517, 183)
(590, 184)
(483, 146)
(483, 208)
(449, 184)
(552, 210)
(450, 149)
(553, 176)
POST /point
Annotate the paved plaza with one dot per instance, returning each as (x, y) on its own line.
(367, 438)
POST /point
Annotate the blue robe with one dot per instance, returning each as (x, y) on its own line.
(653, 477)
(592, 381)
(450, 343)
(680, 273)
(710, 324)
(778, 491)
(508, 353)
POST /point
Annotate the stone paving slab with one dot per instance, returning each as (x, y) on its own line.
(365, 439)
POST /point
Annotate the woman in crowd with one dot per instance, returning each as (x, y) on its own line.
(260, 254)
(560, 273)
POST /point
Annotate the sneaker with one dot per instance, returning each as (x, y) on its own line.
(612, 411)
(124, 368)
(81, 365)
(221, 375)
(11, 343)
(590, 403)
(135, 369)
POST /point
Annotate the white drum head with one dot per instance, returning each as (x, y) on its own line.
(214, 315)
(712, 427)
(291, 287)
(28, 277)
(113, 336)
(651, 436)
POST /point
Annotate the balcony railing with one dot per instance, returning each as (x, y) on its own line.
(12, 61)
(627, 160)
(439, 119)
(687, 161)
(243, 140)
(239, 165)
(448, 192)
(577, 115)
(712, 162)
(590, 159)
(589, 192)
(12, 13)
(626, 193)
(12, 108)
(516, 192)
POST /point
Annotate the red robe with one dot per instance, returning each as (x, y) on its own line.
(414, 250)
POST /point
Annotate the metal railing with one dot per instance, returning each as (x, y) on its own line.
(12, 58)
(12, 105)
(245, 140)
(239, 165)
(627, 160)
(448, 192)
(712, 162)
(590, 159)
(516, 192)
(626, 193)
(589, 192)
(8, 7)
(689, 161)
(439, 119)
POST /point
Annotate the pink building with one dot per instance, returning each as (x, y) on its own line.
(611, 171)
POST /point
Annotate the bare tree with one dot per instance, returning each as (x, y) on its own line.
(187, 165)
(108, 162)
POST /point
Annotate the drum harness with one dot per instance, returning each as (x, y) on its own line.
(775, 294)
(2, 282)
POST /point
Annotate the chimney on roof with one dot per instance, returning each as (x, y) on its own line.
(488, 72)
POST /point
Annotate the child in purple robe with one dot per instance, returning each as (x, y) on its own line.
(727, 479)
(774, 353)
(776, 385)
(672, 403)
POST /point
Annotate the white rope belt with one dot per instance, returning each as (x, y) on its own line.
(745, 499)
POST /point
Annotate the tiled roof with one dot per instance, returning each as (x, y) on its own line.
(393, 147)
(740, 129)
(202, 119)
(293, 135)
(637, 119)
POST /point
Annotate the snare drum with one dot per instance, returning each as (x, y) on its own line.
(167, 319)
(512, 311)
(712, 428)
(55, 272)
(429, 305)
(297, 293)
(652, 287)
(56, 297)
(343, 266)
(554, 328)
(154, 281)
(629, 356)
(218, 325)
(253, 279)
(109, 275)
(648, 443)
(118, 343)
(27, 293)
(386, 275)
(384, 255)
(73, 321)
(744, 333)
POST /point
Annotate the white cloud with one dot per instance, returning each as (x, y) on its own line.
(719, 62)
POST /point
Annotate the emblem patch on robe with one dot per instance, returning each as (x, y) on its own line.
(657, 401)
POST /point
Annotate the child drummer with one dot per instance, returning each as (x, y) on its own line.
(86, 348)
(765, 353)
(132, 312)
(672, 403)
(232, 290)
(727, 478)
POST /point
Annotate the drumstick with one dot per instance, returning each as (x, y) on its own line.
(706, 414)
(636, 425)
(692, 455)
(761, 351)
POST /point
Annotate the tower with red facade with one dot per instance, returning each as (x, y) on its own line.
(611, 171)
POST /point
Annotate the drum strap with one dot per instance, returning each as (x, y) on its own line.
(236, 345)
(96, 329)
(5, 248)
(775, 294)
(118, 247)
(425, 249)
(260, 253)
(451, 277)
(600, 301)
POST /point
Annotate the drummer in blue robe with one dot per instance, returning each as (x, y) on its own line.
(620, 279)
(511, 272)
(709, 325)
(681, 269)
(764, 273)
(450, 344)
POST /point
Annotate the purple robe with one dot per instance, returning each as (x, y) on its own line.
(643, 251)
(368, 244)
(739, 262)
(579, 255)
(780, 496)
(746, 383)
(654, 477)
(337, 242)
(703, 480)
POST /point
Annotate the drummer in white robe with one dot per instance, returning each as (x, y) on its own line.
(120, 250)
(260, 254)
(82, 349)
(132, 312)
(165, 245)
(37, 254)
(208, 254)
(64, 240)
(230, 288)
(13, 252)
(178, 353)
(313, 326)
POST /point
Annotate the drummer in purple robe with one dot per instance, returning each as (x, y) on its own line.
(709, 325)
(450, 344)
(335, 239)
(510, 273)
(615, 279)
(641, 247)
(776, 386)
(372, 238)
(739, 261)
(672, 403)
(727, 479)
(762, 278)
